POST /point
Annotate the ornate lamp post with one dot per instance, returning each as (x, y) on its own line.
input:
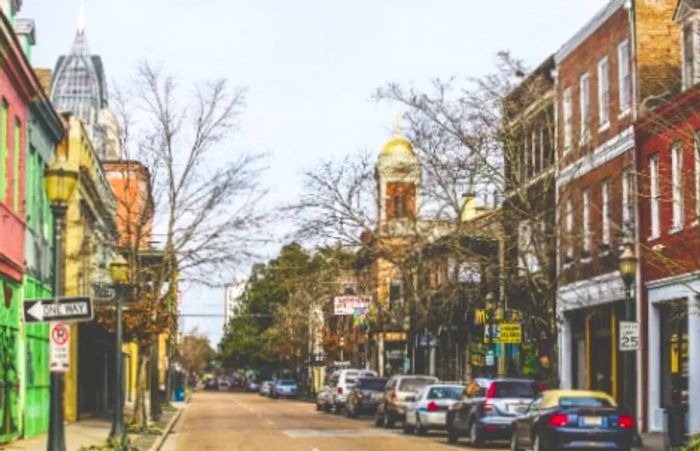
(627, 265)
(61, 180)
(119, 270)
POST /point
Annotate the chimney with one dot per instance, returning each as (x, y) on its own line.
(24, 28)
(468, 207)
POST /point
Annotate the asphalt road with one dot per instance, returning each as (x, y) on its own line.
(248, 422)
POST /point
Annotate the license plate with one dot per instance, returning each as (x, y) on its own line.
(592, 421)
(514, 407)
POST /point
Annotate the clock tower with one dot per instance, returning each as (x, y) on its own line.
(398, 180)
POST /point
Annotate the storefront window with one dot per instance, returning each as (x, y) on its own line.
(674, 364)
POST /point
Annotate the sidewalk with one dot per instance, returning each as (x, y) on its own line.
(652, 442)
(95, 432)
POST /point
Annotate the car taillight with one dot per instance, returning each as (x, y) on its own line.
(541, 387)
(433, 407)
(491, 393)
(558, 420)
(626, 422)
(393, 396)
(340, 390)
(488, 407)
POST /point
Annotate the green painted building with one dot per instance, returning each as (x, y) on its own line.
(44, 132)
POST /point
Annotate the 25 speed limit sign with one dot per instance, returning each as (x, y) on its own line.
(629, 336)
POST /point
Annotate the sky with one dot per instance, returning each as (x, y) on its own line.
(310, 67)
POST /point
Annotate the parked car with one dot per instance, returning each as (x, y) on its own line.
(572, 419)
(285, 388)
(428, 409)
(342, 381)
(392, 404)
(252, 386)
(324, 398)
(489, 409)
(266, 388)
(365, 395)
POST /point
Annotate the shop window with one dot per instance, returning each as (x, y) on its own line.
(674, 364)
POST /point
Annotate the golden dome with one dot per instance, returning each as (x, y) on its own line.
(396, 146)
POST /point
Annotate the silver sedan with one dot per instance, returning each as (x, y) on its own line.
(428, 408)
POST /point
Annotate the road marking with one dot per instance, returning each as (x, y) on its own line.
(338, 433)
(270, 422)
(315, 449)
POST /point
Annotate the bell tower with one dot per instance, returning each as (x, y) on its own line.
(398, 180)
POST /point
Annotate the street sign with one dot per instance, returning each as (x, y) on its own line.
(629, 336)
(490, 358)
(503, 333)
(58, 309)
(59, 349)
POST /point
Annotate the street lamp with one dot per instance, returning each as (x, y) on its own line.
(119, 270)
(60, 179)
(341, 344)
(627, 265)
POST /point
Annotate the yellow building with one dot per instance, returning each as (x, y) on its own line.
(90, 236)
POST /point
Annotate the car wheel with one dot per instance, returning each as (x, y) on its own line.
(407, 428)
(318, 406)
(420, 429)
(514, 442)
(452, 436)
(475, 438)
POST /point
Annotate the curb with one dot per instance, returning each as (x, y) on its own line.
(161, 439)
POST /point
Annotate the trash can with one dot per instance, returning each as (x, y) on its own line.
(180, 394)
(675, 427)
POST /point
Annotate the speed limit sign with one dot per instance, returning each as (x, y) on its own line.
(629, 336)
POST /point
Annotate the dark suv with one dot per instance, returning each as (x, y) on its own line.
(489, 408)
(365, 395)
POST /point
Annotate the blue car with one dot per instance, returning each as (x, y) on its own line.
(285, 388)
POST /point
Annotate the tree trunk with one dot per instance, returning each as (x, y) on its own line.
(140, 416)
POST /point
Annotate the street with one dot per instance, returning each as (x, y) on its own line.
(248, 422)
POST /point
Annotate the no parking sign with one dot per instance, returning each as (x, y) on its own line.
(60, 348)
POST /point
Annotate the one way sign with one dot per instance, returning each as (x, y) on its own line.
(58, 309)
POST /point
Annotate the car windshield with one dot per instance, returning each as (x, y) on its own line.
(583, 401)
(446, 393)
(372, 384)
(515, 389)
(286, 382)
(414, 384)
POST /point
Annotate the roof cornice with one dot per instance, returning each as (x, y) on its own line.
(600, 17)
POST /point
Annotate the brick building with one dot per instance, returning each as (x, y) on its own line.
(668, 164)
(624, 59)
(529, 207)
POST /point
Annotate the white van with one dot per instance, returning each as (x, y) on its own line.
(341, 383)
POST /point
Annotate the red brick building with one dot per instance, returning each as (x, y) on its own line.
(608, 72)
(668, 165)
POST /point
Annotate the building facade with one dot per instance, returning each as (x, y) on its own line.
(608, 73)
(91, 233)
(668, 164)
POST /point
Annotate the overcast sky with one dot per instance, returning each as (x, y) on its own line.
(310, 65)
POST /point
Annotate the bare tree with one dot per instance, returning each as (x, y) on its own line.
(202, 204)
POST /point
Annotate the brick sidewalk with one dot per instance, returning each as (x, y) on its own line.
(95, 432)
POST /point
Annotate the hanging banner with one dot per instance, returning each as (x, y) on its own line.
(346, 305)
